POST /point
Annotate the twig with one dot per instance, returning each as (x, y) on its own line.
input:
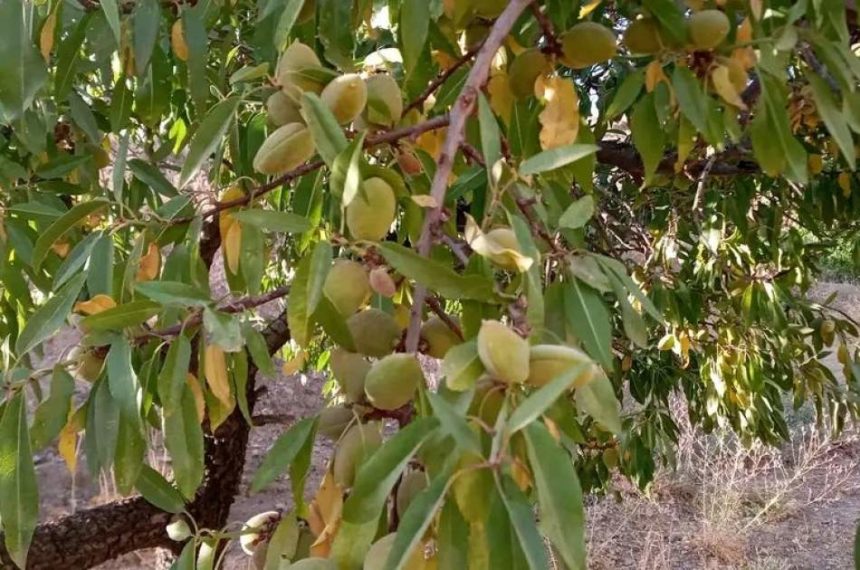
(441, 79)
(552, 46)
(235, 306)
(436, 307)
(456, 247)
(700, 188)
(381, 138)
(460, 112)
(269, 419)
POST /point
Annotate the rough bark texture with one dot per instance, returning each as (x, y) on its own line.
(93, 536)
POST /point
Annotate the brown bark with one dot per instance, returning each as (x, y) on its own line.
(93, 536)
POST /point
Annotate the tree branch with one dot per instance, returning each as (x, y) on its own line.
(441, 79)
(460, 112)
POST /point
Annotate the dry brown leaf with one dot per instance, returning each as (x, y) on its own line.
(197, 392)
(46, 36)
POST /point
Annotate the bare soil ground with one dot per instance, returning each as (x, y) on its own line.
(725, 507)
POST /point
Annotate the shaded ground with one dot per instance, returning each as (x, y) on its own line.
(699, 517)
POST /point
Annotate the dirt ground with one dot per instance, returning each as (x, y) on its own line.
(797, 508)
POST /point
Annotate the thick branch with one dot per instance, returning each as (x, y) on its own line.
(460, 112)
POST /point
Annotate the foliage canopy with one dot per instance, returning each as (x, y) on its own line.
(571, 204)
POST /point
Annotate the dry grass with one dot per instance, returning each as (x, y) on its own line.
(712, 511)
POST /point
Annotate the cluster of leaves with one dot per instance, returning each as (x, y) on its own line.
(567, 219)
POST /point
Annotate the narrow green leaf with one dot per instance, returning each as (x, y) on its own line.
(171, 381)
(523, 522)
(378, 474)
(173, 293)
(273, 221)
(414, 26)
(286, 21)
(156, 490)
(128, 457)
(183, 438)
(150, 175)
(334, 324)
(626, 94)
(335, 31)
(147, 15)
(597, 399)
(49, 318)
(416, 520)
(578, 213)
(589, 319)
(22, 69)
(437, 276)
(327, 133)
(836, 122)
(616, 270)
(208, 136)
(345, 180)
(562, 513)
(306, 290)
(52, 414)
(19, 495)
(62, 225)
(454, 424)
(111, 10)
(556, 158)
(259, 351)
(121, 317)
(462, 366)
(186, 560)
(194, 26)
(283, 452)
(122, 378)
(491, 139)
(648, 136)
(671, 19)
(540, 401)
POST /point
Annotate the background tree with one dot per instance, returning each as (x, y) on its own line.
(572, 204)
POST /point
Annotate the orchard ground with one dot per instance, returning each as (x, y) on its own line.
(724, 507)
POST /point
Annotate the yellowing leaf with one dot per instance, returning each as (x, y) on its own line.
(725, 88)
(501, 96)
(215, 368)
(295, 364)
(560, 118)
(225, 218)
(745, 57)
(67, 441)
(197, 392)
(424, 200)
(325, 515)
(654, 74)
(46, 36)
(815, 163)
(744, 33)
(844, 181)
(431, 142)
(502, 254)
(150, 264)
(61, 248)
(95, 305)
(588, 8)
(232, 244)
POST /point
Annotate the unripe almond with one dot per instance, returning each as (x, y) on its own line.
(587, 43)
(504, 353)
(370, 216)
(643, 37)
(285, 149)
(347, 286)
(382, 283)
(708, 29)
(546, 361)
(524, 71)
(374, 332)
(282, 109)
(295, 71)
(178, 530)
(384, 100)
(439, 337)
(346, 96)
(357, 444)
(413, 482)
(392, 381)
(249, 540)
(333, 421)
(350, 370)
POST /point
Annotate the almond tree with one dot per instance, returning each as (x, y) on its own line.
(582, 209)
